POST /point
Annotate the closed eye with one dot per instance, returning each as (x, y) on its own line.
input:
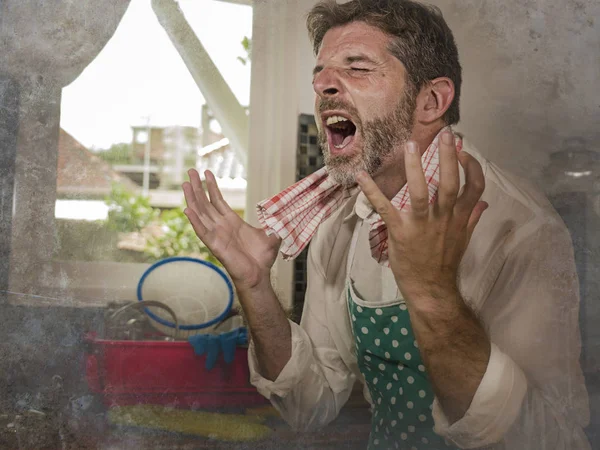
(359, 69)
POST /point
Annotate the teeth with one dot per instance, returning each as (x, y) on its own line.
(335, 119)
(345, 143)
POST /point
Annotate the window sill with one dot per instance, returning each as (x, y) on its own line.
(80, 284)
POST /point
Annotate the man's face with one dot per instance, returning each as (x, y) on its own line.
(363, 107)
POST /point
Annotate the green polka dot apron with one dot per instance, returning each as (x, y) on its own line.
(389, 359)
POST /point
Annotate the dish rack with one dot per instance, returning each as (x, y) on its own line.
(129, 366)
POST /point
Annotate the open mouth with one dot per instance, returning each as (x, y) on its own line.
(341, 131)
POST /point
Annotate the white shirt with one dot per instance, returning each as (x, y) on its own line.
(518, 275)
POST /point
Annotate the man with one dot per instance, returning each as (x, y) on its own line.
(442, 284)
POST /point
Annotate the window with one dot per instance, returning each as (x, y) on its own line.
(131, 125)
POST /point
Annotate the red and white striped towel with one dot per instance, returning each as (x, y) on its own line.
(295, 214)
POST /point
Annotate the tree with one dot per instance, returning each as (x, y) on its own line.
(157, 234)
(117, 154)
(176, 238)
(128, 212)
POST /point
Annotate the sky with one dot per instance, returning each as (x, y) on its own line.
(139, 73)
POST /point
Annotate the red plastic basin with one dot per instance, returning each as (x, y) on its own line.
(166, 373)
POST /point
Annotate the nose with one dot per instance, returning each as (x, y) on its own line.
(327, 83)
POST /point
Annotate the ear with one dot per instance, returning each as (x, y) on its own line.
(433, 100)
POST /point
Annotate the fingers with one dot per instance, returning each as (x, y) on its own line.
(215, 194)
(380, 203)
(196, 197)
(197, 200)
(449, 177)
(190, 197)
(415, 179)
(193, 210)
(474, 185)
(199, 228)
(480, 207)
(463, 206)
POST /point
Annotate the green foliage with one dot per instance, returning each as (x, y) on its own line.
(128, 212)
(247, 44)
(177, 238)
(117, 154)
(167, 234)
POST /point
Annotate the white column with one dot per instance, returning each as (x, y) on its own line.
(223, 103)
(273, 115)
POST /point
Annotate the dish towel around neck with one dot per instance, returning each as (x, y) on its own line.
(295, 214)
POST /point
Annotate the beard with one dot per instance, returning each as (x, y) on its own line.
(381, 137)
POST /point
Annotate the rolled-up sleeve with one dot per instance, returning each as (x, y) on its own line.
(294, 371)
(315, 383)
(533, 393)
(496, 404)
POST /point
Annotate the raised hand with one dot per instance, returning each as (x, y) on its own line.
(427, 243)
(246, 252)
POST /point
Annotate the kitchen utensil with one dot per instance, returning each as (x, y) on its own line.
(199, 293)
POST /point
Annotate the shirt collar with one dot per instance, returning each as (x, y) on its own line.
(362, 208)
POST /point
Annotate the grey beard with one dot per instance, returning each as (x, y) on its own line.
(381, 137)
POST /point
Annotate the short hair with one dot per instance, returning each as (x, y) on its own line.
(421, 38)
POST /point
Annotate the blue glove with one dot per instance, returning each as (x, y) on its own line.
(213, 344)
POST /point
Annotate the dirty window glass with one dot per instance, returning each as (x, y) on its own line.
(121, 330)
(133, 123)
